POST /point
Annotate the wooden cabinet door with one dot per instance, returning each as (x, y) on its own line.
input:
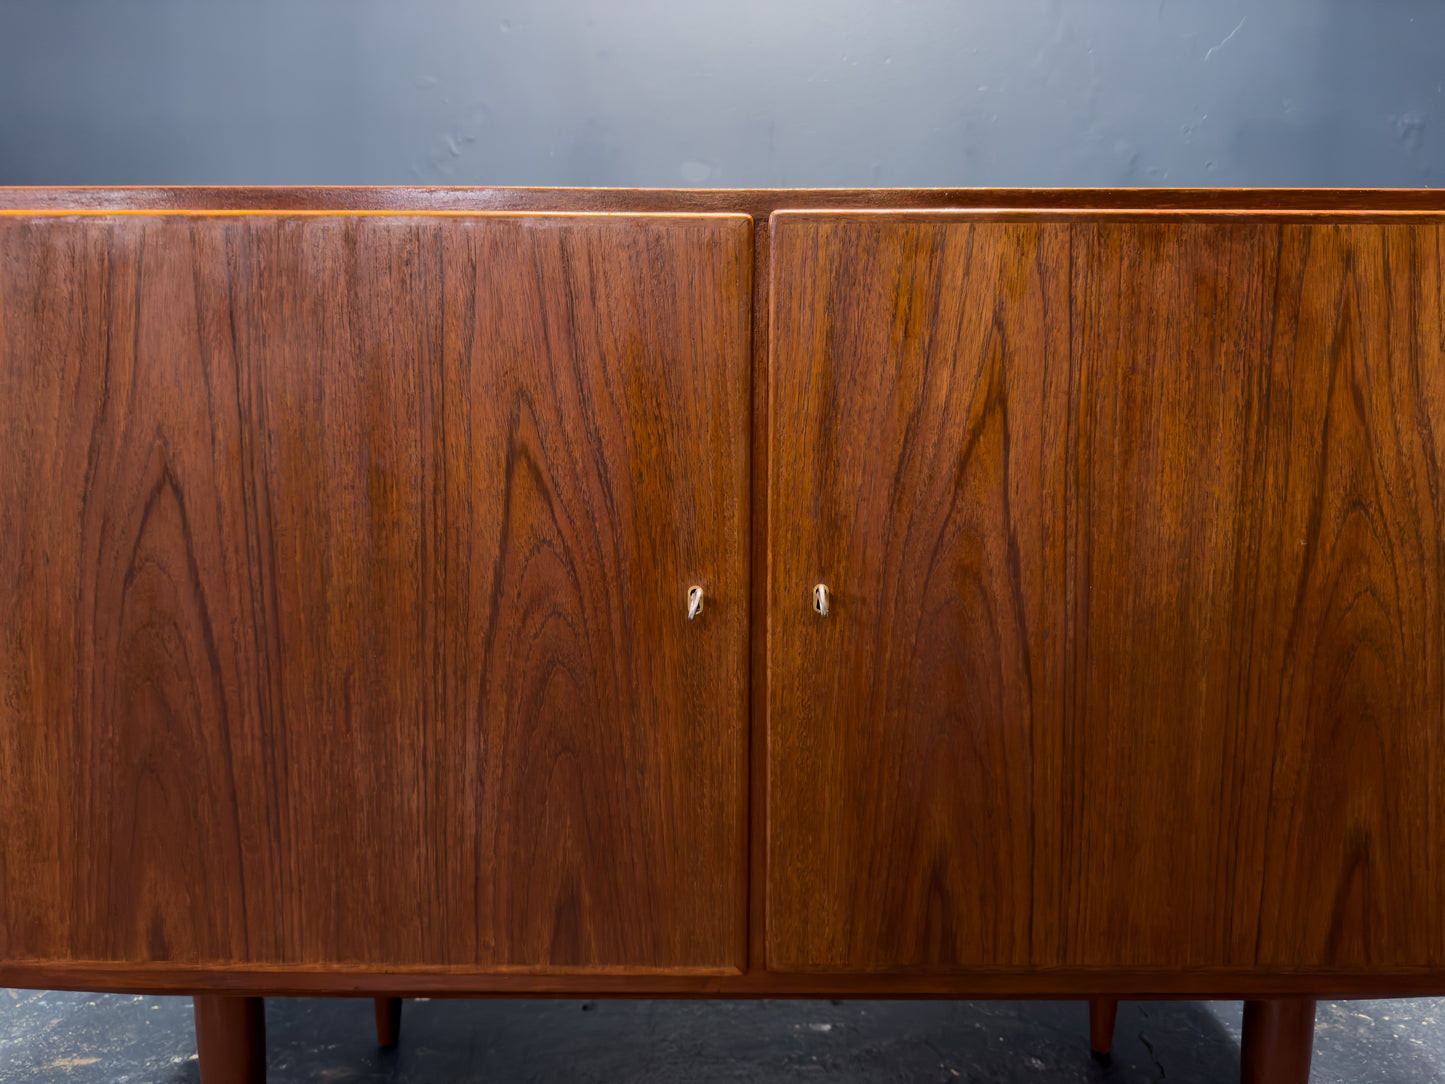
(1135, 530)
(344, 563)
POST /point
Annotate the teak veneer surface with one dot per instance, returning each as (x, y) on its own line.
(170, 569)
(1137, 646)
(344, 564)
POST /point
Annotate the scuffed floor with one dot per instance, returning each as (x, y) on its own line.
(84, 1038)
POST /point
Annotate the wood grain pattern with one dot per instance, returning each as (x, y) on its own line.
(1367, 205)
(344, 562)
(186, 323)
(1134, 533)
(132, 773)
(613, 807)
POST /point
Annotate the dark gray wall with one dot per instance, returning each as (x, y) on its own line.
(706, 94)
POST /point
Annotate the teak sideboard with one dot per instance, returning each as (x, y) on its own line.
(740, 593)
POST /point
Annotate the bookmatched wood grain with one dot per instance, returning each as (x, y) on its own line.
(344, 564)
(583, 498)
(1210, 822)
(133, 765)
(1134, 532)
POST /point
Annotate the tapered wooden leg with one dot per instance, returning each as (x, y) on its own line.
(1279, 1038)
(231, 1039)
(388, 1021)
(1102, 1013)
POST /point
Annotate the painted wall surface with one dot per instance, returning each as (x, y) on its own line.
(696, 93)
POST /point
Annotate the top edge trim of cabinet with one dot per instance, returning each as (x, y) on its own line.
(942, 215)
(540, 218)
(757, 202)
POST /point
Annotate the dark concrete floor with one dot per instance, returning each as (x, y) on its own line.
(84, 1038)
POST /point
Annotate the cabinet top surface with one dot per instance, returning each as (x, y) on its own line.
(756, 202)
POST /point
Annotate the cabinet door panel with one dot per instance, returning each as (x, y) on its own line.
(585, 496)
(345, 563)
(1134, 536)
